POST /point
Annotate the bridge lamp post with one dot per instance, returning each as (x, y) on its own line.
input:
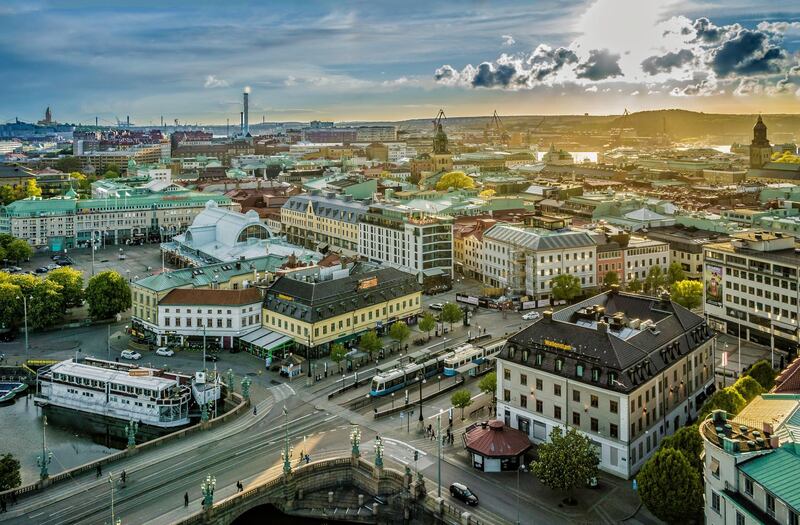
(378, 452)
(439, 449)
(114, 520)
(246, 381)
(130, 430)
(207, 489)
(355, 440)
(287, 450)
(231, 385)
(47, 456)
(421, 381)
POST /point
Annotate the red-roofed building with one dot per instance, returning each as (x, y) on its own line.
(494, 447)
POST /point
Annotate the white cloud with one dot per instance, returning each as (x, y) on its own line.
(213, 82)
(591, 89)
(508, 40)
(633, 94)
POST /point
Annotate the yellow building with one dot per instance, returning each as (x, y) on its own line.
(314, 219)
(319, 307)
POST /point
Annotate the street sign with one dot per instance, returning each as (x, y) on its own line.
(140, 372)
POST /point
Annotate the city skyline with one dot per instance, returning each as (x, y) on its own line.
(364, 62)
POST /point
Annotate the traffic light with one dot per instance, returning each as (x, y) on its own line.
(416, 455)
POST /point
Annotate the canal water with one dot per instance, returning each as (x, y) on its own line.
(21, 435)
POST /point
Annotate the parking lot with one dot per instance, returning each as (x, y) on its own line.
(132, 262)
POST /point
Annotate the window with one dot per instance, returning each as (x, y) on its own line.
(559, 364)
(748, 486)
(523, 379)
(770, 504)
(579, 370)
(594, 424)
(539, 385)
(594, 401)
(507, 374)
(739, 518)
(793, 518)
(506, 395)
(557, 412)
(523, 401)
(576, 396)
(539, 406)
(613, 430)
(576, 418)
(557, 390)
(613, 406)
(715, 501)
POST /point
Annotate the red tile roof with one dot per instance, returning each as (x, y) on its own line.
(788, 381)
(495, 440)
(192, 296)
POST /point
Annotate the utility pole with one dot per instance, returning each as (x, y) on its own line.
(439, 448)
(25, 308)
(46, 456)
(108, 342)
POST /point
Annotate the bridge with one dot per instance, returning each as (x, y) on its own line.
(344, 488)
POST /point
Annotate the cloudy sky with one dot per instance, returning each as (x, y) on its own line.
(392, 60)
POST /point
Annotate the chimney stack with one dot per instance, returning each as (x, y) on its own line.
(246, 112)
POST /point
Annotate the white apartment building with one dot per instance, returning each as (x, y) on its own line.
(525, 261)
(625, 370)
(186, 314)
(642, 254)
(409, 240)
(751, 287)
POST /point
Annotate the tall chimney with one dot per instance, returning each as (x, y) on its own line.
(246, 112)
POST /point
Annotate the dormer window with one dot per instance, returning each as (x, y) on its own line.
(579, 370)
(559, 364)
(539, 359)
(595, 374)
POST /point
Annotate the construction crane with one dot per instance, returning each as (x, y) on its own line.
(438, 120)
(495, 133)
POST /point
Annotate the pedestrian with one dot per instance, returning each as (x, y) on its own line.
(99, 470)
(308, 459)
(185, 499)
(433, 435)
(255, 410)
(239, 487)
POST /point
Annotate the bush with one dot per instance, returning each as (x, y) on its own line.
(727, 399)
(748, 387)
(670, 487)
(762, 372)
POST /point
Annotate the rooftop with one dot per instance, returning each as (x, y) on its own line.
(107, 375)
(212, 273)
(203, 296)
(539, 239)
(777, 473)
(495, 440)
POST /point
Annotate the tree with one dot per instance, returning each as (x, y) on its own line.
(107, 294)
(690, 443)
(26, 283)
(399, 332)
(748, 387)
(675, 273)
(427, 323)
(110, 174)
(7, 194)
(370, 342)
(455, 179)
(5, 240)
(71, 281)
(610, 279)
(461, 399)
(32, 189)
(654, 280)
(46, 306)
(68, 164)
(452, 313)
(762, 372)
(670, 487)
(635, 285)
(687, 293)
(487, 194)
(727, 399)
(11, 307)
(488, 385)
(566, 287)
(18, 250)
(566, 461)
(9, 473)
(338, 353)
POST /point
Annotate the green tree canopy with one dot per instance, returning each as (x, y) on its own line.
(71, 281)
(107, 294)
(47, 306)
(688, 441)
(399, 332)
(748, 387)
(338, 353)
(11, 307)
(68, 164)
(727, 399)
(427, 323)
(25, 281)
(635, 285)
(610, 279)
(370, 342)
(452, 313)
(488, 383)
(7, 194)
(461, 399)
(567, 461)
(455, 179)
(654, 280)
(9, 472)
(675, 273)
(18, 250)
(32, 189)
(687, 293)
(566, 287)
(670, 487)
(762, 372)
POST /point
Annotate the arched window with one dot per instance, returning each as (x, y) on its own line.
(254, 231)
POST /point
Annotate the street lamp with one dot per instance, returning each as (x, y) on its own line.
(439, 450)
(287, 450)
(130, 430)
(378, 452)
(47, 456)
(207, 489)
(521, 468)
(421, 382)
(25, 308)
(392, 400)
(355, 440)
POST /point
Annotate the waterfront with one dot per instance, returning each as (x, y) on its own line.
(21, 435)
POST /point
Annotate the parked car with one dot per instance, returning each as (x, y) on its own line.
(460, 491)
(436, 306)
(164, 351)
(53, 266)
(212, 357)
(531, 316)
(130, 354)
(41, 269)
(65, 262)
(12, 269)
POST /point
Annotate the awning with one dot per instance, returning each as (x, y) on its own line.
(266, 339)
(432, 272)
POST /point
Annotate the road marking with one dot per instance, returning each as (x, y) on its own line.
(398, 442)
(35, 515)
(61, 511)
